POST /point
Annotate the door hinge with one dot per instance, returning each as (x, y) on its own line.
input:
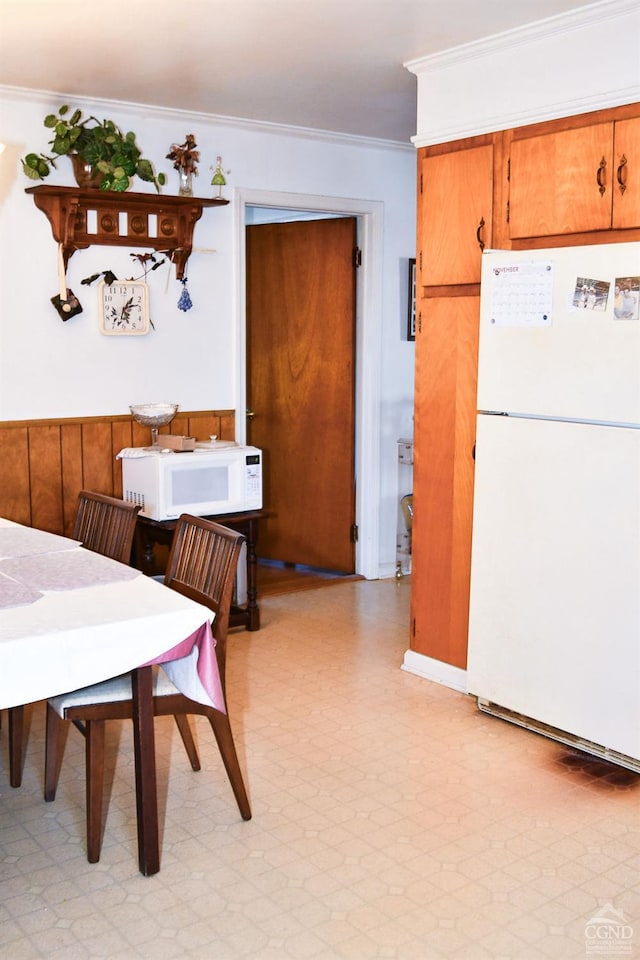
(508, 169)
(413, 627)
(357, 257)
(420, 321)
(353, 533)
(508, 210)
(420, 182)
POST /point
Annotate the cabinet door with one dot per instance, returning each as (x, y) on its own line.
(561, 182)
(456, 214)
(626, 177)
(443, 470)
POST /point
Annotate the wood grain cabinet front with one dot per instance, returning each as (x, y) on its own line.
(626, 188)
(575, 181)
(444, 437)
(455, 198)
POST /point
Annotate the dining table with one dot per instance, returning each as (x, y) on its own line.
(70, 617)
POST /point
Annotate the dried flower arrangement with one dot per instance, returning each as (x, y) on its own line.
(185, 156)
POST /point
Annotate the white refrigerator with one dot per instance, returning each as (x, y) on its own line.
(554, 634)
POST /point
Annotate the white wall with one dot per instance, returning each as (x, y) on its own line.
(50, 368)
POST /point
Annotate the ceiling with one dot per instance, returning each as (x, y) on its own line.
(333, 65)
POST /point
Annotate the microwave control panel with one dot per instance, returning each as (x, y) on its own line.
(253, 479)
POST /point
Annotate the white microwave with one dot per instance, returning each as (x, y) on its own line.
(213, 479)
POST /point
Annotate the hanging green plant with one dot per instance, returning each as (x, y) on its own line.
(109, 157)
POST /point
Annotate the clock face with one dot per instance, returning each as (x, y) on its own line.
(124, 307)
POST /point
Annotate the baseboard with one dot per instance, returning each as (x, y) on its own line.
(435, 670)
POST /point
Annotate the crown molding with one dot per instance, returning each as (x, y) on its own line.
(591, 53)
(519, 118)
(562, 23)
(22, 94)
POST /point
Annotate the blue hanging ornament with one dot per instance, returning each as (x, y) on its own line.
(184, 303)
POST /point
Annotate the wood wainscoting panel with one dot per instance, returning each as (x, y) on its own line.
(15, 502)
(97, 457)
(45, 463)
(71, 446)
(45, 477)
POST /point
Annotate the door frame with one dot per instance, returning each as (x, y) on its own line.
(369, 215)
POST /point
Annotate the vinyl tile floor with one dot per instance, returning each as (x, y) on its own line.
(391, 820)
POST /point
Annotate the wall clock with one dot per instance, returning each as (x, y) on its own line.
(124, 307)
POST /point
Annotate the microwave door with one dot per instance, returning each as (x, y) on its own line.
(199, 484)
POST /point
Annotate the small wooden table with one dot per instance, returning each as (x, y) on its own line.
(150, 532)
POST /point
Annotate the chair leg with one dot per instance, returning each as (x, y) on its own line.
(224, 738)
(52, 753)
(16, 736)
(182, 723)
(94, 752)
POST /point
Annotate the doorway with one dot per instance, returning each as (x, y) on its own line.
(369, 215)
(301, 305)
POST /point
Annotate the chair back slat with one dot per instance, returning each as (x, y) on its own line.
(106, 525)
(202, 566)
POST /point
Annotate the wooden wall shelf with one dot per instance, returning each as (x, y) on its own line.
(80, 218)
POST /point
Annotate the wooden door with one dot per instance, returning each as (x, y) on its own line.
(556, 180)
(443, 470)
(626, 178)
(301, 387)
(456, 212)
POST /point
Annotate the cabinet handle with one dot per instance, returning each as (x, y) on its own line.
(621, 173)
(478, 231)
(600, 176)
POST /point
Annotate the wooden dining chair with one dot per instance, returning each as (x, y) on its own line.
(104, 525)
(202, 566)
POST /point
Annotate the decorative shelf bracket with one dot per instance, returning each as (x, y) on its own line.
(80, 218)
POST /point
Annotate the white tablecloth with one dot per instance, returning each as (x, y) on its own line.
(70, 618)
